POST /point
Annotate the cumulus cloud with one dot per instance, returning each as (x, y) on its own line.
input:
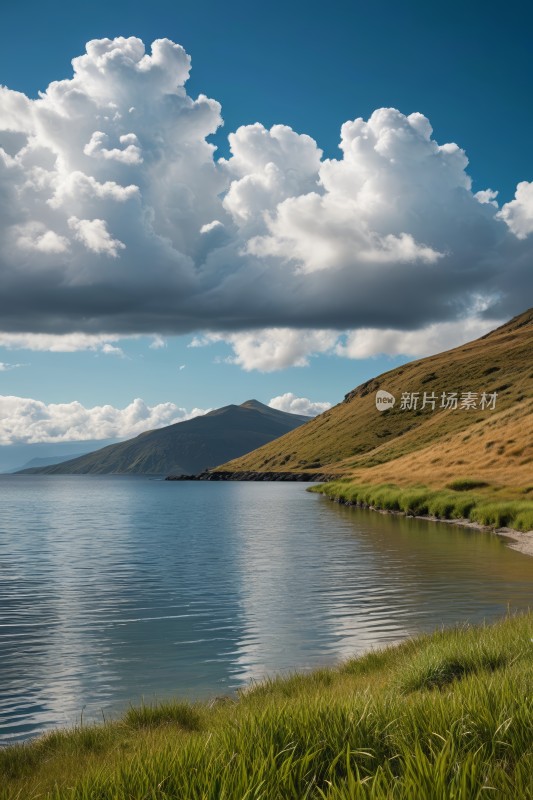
(58, 343)
(272, 349)
(487, 196)
(266, 167)
(94, 235)
(117, 217)
(298, 405)
(27, 421)
(368, 342)
(275, 349)
(34, 236)
(518, 214)
(129, 153)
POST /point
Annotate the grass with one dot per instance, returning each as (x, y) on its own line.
(170, 713)
(440, 503)
(466, 484)
(448, 715)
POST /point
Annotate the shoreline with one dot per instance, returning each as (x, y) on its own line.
(522, 541)
(226, 475)
(414, 691)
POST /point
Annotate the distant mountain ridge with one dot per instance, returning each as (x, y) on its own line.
(16, 457)
(47, 461)
(185, 447)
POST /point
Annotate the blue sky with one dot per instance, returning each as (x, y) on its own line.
(466, 67)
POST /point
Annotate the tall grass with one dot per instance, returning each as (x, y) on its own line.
(440, 503)
(448, 715)
(170, 713)
(464, 484)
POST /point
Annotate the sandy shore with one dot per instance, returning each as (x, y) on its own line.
(521, 541)
(516, 540)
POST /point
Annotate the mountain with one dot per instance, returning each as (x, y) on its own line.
(186, 447)
(16, 457)
(354, 439)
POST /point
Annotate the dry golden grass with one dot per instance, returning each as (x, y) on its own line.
(498, 450)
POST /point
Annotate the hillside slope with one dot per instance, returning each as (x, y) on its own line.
(354, 439)
(186, 447)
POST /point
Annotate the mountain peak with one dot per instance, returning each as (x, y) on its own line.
(254, 404)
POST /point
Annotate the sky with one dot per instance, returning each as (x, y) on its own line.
(215, 203)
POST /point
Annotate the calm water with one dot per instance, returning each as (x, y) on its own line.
(115, 589)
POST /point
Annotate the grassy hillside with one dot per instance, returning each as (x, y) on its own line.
(355, 440)
(444, 716)
(186, 447)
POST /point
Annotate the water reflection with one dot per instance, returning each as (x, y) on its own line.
(112, 589)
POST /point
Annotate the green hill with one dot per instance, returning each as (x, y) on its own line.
(353, 439)
(185, 447)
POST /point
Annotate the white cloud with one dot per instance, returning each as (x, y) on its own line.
(518, 214)
(368, 342)
(298, 405)
(275, 349)
(27, 421)
(487, 196)
(76, 187)
(111, 350)
(34, 236)
(266, 167)
(269, 350)
(272, 349)
(4, 367)
(95, 236)
(117, 218)
(129, 153)
(369, 210)
(57, 343)
(157, 343)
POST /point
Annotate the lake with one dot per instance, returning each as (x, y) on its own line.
(115, 589)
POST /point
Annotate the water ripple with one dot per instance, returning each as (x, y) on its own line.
(115, 589)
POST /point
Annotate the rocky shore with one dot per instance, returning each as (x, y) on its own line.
(319, 477)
